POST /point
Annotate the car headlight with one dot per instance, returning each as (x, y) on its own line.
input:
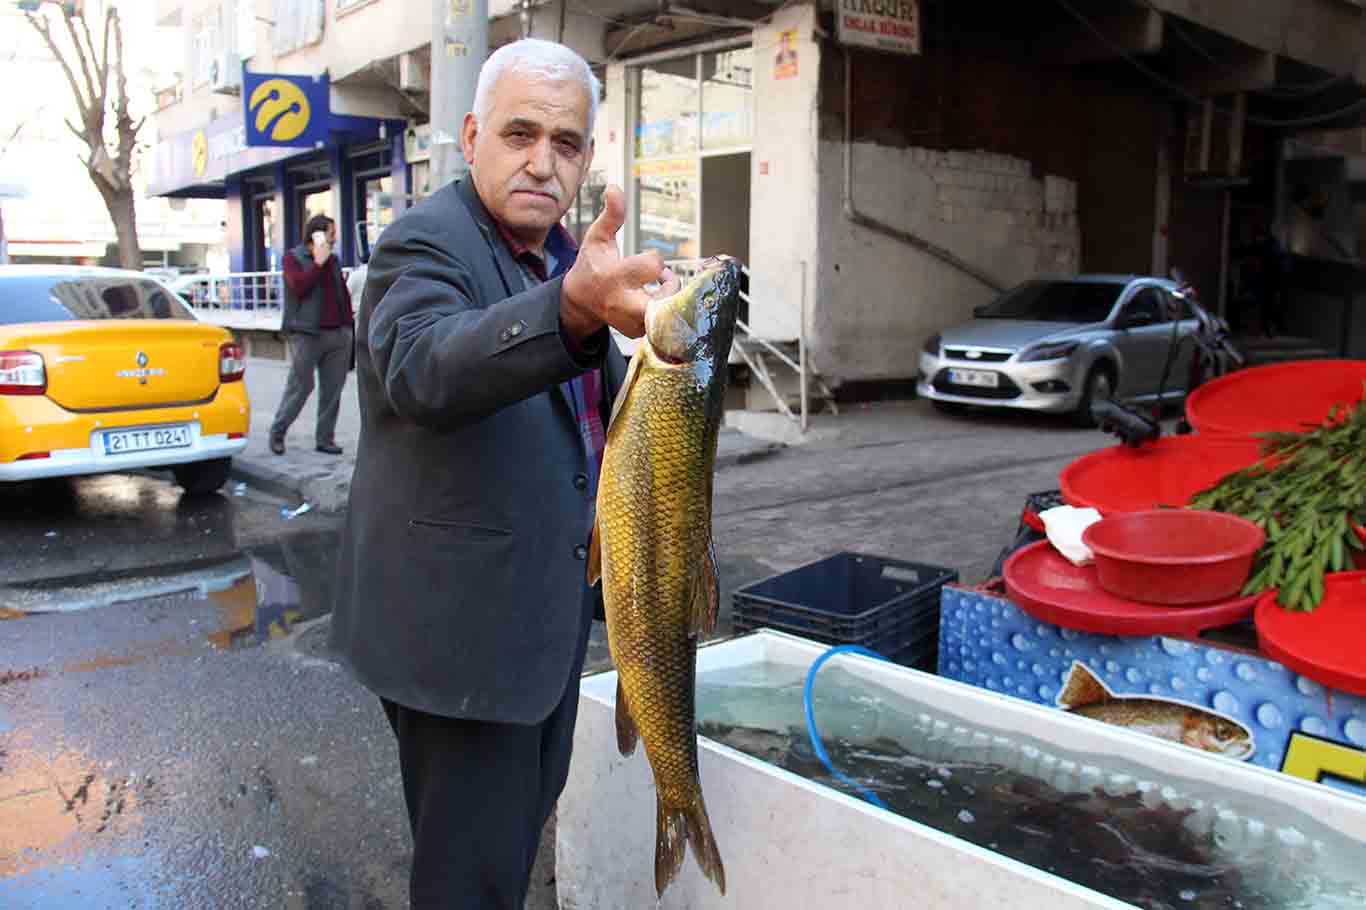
(1049, 352)
(932, 344)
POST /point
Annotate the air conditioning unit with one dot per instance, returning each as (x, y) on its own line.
(225, 74)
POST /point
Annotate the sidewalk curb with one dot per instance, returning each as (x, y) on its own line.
(291, 486)
(268, 480)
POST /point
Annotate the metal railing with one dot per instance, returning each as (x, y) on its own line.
(255, 300)
(758, 347)
(238, 300)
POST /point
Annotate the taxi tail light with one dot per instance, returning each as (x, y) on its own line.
(22, 373)
(232, 362)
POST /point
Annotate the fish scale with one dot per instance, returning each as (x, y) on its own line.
(652, 549)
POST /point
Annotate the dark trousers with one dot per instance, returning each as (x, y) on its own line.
(327, 353)
(478, 795)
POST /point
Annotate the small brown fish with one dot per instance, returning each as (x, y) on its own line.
(652, 548)
(1177, 721)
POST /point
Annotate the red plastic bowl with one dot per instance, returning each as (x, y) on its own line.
(1281, 397)
(1173, 556)
(1166, 472)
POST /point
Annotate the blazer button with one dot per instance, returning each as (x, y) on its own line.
(580, 552)
(580, 481)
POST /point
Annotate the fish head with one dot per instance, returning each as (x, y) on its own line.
(696, 325)
(1220, 735)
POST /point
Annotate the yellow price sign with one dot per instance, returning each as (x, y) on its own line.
(1311, 758)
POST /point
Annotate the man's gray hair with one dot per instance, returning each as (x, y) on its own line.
(539, 58)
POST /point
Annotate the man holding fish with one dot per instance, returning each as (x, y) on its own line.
(486, 375)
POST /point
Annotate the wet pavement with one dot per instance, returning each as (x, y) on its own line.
(173, 733)
(186, 751)
(66, 543)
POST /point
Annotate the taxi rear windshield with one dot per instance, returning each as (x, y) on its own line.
(56, 299)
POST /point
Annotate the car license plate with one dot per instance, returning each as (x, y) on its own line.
(981, 378)
(117, 442)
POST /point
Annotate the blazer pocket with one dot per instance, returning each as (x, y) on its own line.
(460, 530)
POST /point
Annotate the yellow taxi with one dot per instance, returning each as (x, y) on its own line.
(108, 370)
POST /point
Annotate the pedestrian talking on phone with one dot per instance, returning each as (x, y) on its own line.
(318, 324)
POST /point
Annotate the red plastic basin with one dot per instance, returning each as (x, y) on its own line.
(1281, 397)
(1173, 556)
(1166, 472)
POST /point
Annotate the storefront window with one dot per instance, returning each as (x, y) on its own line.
(316, 202)
(727, 98)
(666, 193)
(587, 205)
(694, 117)
(667, 123)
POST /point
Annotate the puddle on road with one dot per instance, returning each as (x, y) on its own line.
(290, 582)
(53, 805)
(261, 594)
(85, 592)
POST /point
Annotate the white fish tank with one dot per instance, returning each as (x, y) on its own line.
(939, 794)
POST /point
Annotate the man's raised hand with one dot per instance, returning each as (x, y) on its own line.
(602, 286)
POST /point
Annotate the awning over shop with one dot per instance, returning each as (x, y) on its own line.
(195, 163)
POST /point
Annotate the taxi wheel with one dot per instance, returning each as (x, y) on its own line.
(201, 477)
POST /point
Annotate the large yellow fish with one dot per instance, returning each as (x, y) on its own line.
(652, 547)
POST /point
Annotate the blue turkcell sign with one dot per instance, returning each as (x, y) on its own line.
(292, 111)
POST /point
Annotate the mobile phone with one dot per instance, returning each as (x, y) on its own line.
(319, 238)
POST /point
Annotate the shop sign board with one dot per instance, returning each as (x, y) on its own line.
(1228, 700)
(885, 25)
(290, 111)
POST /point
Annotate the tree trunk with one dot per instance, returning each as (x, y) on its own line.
(120, 204)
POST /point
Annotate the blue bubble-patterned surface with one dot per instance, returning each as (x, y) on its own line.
(987, 641)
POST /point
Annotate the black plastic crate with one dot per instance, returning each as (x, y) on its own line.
(888, 605)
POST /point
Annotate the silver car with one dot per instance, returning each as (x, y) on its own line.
(1058, 344)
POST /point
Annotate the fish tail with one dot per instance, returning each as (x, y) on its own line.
(675, 827)
(1083, 688)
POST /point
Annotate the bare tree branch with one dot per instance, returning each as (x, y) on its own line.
(40, 24)
(104, 59)
(128, 130)
(80, 55)
(110, 159)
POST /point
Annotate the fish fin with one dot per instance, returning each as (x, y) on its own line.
(1083, 688)
(632, 370)
(594, 555)
(703, 843)
(627, 733)
(676, 827)
(706, 595)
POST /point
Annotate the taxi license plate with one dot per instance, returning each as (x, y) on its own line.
(118, 442)
(980, 378)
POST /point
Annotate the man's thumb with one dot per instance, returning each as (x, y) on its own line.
(604, 229)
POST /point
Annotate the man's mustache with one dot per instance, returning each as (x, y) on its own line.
(551, 188)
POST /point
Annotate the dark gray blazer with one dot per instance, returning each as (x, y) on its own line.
(461, 574)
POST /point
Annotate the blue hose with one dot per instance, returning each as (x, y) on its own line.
(811, 719)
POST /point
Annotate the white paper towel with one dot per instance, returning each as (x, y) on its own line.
(1064, 525)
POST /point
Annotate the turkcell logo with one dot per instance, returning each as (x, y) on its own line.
(280, 110)
(286, 110)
